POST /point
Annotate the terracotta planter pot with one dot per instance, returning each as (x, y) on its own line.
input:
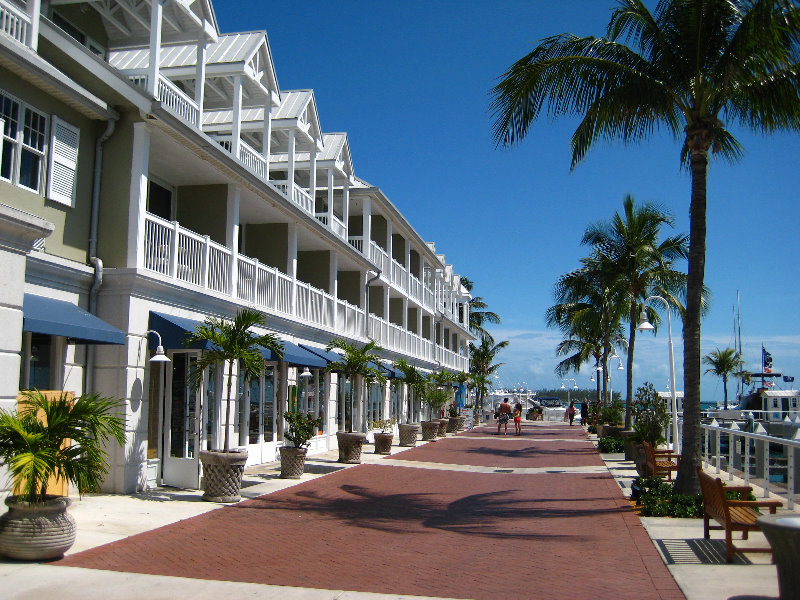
(350, 445)
(293, 462)
(461, 421)
(430, 430)
(408, 434)
(452, 424)
(39, 531)
(222, 472)
(383, 443)
(443, 427)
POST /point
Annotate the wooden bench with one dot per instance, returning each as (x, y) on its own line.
(659, 462)
(732, 515)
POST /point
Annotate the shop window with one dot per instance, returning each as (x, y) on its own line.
(42, 362)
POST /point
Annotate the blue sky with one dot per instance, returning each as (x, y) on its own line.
(409, 82)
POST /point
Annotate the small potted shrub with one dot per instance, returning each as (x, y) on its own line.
(384, 437)
(300, 429)
(650, 419)
(48, 439)
(453, 418)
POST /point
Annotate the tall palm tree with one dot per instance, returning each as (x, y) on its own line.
(415, 381)
(687, 65)
(644, 264)
(589, 309)
(479, 317)
(482, 360)
(724, 363)
(359, 364)
(232, 342)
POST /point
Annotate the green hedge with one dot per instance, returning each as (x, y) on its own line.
(659, 500)
(610, 445)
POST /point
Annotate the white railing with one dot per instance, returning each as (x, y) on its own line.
(15, 23)
(398, 275)
(414, 288)
(253, 160)
(451, 359)
(299, 196)
(754, 454)
(349, 319)
(380, 257)
(176, 101)
(339, 228)
(395, 338)
(428, 298)
(357, 242)
(315, 306)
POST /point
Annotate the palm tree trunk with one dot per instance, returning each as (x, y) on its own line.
(687, 481)
(227, 444)
(629, 375)
(725, 390)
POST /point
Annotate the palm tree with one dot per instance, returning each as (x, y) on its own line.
(414, 380)
(643, 263)
(589, 309)
(689, 64)
(482, 361)
(358, 364)
(478, 315)
(232, 342)
(724, 363)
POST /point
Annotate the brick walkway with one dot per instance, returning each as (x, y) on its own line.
(434, 531)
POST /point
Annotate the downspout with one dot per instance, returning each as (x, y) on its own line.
(362, 416)
(94, 260)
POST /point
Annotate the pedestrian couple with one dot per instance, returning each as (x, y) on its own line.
(504, 414)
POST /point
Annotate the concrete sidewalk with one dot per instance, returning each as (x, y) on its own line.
(386, 498)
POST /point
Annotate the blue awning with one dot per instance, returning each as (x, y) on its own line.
(58, 317)
(322, 353)
(295, 355)
(174, 330)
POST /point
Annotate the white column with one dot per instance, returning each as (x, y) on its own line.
(330, 199)
(385, 292)
(346, 206)
(156, 14)
(333, 286)
(290, 176)
(267, 133)
(137, 202)
(34, 9)
(405, 313)
(389, 243)
(291, 263)
(236, 131)
(200, 78)
(366, 212)
(312, 177)
(232, 234)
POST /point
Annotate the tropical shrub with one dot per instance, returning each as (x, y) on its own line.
(650, 415)
(301, 428)
(61, 438)
(612, 413)
(658, 499)
(610, 445)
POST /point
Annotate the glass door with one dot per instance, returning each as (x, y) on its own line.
(260, 426)
(181, 441)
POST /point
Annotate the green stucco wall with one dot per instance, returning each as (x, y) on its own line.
(379, 231)
(269, 243)
(396, 311)
(349, 287)
(203, 209)
(313, 267)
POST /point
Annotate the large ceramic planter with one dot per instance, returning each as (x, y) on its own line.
(222, 472)
(408, 434)
(39, 531)
(430, 429)
(383, 443)
(443, 427)
(293, 462)
(783, 534)
(452, 424)
(461, 421)
(350, 445)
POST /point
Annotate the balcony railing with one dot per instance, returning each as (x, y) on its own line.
(357, 242)
(398, 275)
(395, 338)
(336, 226)
(15, 23)
(299, 196)
(183, 255)
(171, 97)
(380, 258)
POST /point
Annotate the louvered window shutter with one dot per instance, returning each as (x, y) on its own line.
(63, 171)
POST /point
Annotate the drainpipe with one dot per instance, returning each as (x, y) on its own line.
(93, 258)
(366, 308)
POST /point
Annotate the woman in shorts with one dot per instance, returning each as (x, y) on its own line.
(518, 419)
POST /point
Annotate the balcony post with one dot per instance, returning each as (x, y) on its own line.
(156, 16)
(366, 212)
(291, 265)
(267, 134)
(34, 9)
(173, 250)
(333, 287)
(232, 236)
(312, 178)
(329, 212)
(137, 199)
(290, 174)
(200, 78)
(390, 249)
(236, 132)
(407, 265)
(346, 207)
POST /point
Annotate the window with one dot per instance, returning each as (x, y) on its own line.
(159, 200)
(78, 35)
(42, 363)
(25, 147)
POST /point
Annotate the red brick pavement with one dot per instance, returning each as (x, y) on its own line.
(399, 530)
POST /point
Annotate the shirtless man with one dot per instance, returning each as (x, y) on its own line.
(503, 415)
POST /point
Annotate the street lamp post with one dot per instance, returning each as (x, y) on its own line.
(569, 389)
(645, 325)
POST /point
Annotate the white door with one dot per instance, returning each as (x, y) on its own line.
(181, 430)
(260, 419)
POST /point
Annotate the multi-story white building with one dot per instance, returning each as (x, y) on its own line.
(153, 173)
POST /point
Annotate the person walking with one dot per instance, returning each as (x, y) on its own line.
(503, 415)
(570, 414)
(518, 419)
(585, 413)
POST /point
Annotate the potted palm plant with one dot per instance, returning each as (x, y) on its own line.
(301, 428)
(416, 390)
(232, 342)
(438, 395)
(50, 439)
(356, 364)
(384, 437)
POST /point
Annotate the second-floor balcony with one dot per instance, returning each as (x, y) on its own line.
(15, 23)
